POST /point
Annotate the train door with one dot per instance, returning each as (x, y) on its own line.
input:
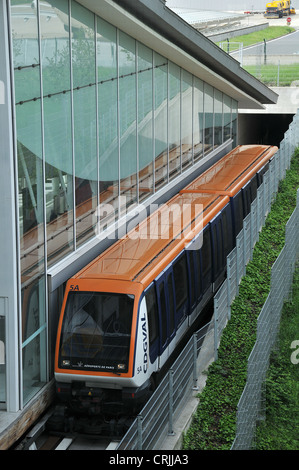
(180, 277)
(153, 321)
(166, 304)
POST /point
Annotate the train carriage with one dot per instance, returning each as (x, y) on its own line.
(125, 313)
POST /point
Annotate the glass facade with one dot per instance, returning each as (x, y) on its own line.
(102, 121)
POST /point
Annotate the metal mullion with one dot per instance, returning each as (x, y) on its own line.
(72, 126)
(118, 116)
(167, 119)
(192, 126)
(14, 399)
(153, 119)
(181, 115)
(137, 116)
(44, 190)
(97, 119)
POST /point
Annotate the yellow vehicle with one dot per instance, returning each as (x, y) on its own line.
(277, 9)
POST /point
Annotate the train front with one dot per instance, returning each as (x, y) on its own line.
(96, 347)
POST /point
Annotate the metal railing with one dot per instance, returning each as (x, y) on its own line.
(155, 420)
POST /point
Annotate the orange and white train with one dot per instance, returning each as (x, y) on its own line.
(125, 313)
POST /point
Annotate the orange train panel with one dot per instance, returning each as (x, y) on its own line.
(160, 237)
(232, 172)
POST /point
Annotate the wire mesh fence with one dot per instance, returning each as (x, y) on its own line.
(251, 406)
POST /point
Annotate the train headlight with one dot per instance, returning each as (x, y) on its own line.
(121, 366)
(66, 362)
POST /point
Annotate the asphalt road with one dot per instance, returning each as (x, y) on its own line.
(286, 45)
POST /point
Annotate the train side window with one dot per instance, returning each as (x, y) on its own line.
(163, 313)
(227, 233)
(152, 314)
(180, 281)
(238, 212)
(206, 259)
(215, 250)
(192, 277)
(171, 304)
(220, 244)
(254, 188)
(198, 270)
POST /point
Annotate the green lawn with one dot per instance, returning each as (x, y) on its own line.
(272, 32)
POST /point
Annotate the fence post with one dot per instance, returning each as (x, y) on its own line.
(139, 432)
(195, 377)
(215, 328)
(170, 408)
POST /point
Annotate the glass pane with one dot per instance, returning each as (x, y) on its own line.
(127, 122)
(145, 121)
(85, 135)
(174, 120)
(160, 91)
(209, 114)
(57, 131)
(29, 139)
(2, 360)
(34, 351)
(108, 122)
(198, 119)
(226, 117)
(187, 97)
(218, 113)
(234, 122)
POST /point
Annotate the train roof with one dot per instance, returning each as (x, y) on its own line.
(147, 249)
(231, 173)
(160, 237)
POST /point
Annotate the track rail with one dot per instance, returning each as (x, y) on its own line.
(41, 438)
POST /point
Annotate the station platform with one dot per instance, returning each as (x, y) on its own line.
(14, 425)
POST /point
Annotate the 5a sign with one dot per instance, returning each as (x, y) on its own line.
(74, 287)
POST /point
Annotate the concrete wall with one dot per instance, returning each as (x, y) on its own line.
(237, 32)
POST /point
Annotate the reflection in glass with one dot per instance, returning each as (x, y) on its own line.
(186, 124)
(234, 122)
(107, 122)
(209, 117)
(226, 117)
(29, 138)
(2, 362)
(145, 121)
(174, 121)
(85, 136)
(34, 347)
(127, 122)
(218, 118)
(57, 130)
(24, 25)
(160, 96)
(197, 119)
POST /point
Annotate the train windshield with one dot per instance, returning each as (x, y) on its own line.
(96, 332)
